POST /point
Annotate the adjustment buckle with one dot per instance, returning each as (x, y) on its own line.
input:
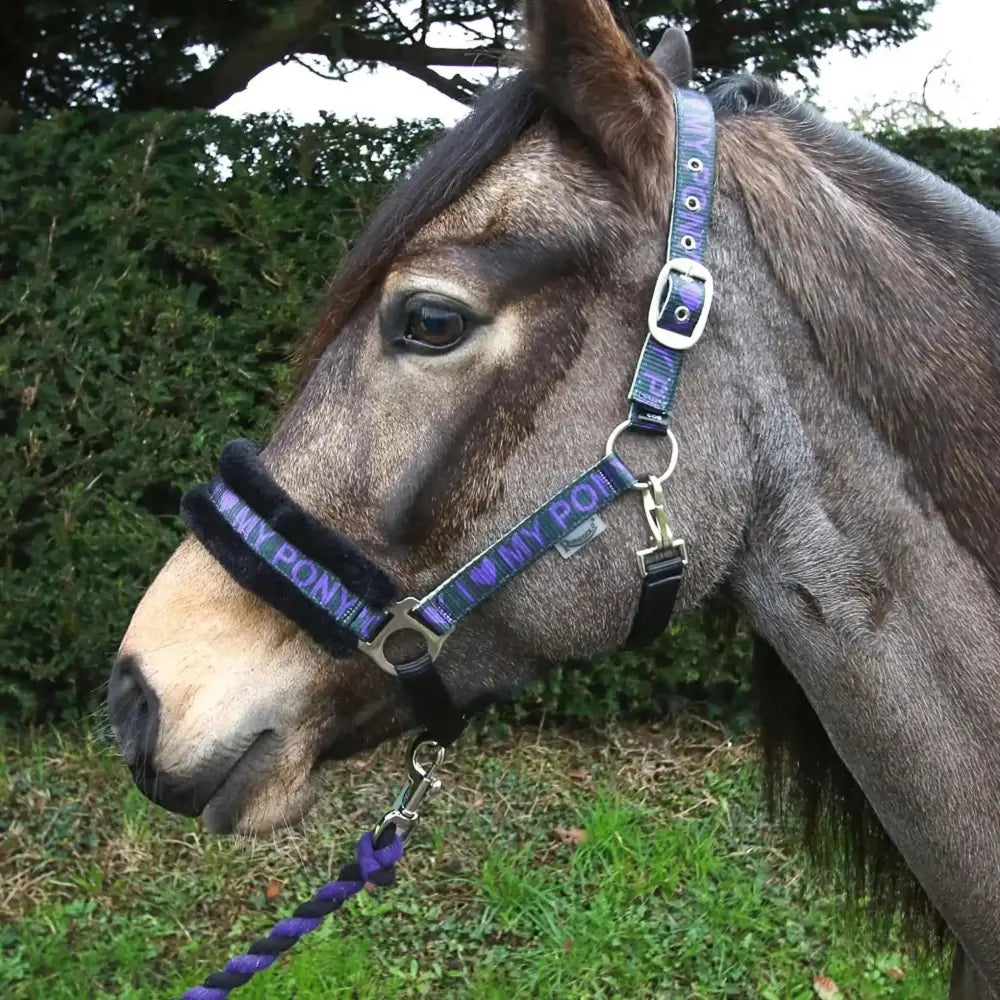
(690, 269)
(660, 535)
(400, 620)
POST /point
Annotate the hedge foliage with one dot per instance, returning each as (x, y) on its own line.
(154, 273)
(148, 303)
(968, 157)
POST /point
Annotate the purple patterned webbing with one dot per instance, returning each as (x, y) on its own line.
(318, 585)
(375, 864)
(496, 566)
(654, 384)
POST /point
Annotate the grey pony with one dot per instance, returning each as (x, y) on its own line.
(837, 483)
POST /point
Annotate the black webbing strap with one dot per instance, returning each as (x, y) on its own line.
(660, 587)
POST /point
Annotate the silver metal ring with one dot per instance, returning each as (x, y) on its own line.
(692, 203)
(688, 242)
(682, 314)
(674, 452)
(695, 165)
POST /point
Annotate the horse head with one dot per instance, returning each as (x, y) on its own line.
(476, 351)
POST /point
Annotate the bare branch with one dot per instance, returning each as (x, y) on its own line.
(939, 67)
(424, 20)
(457, 88)
(236, 67)
(386, 8)
(338, 75)
(363, 48)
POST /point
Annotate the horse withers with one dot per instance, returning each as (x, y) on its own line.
(837, 483)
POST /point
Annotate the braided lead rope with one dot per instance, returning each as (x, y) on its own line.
(376, 865)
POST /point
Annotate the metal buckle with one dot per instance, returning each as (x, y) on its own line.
(625, 425)
(653, 505)
(691, 269)
(400, 620)
(420, 784)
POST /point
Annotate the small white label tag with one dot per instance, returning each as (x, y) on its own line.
(581, 536)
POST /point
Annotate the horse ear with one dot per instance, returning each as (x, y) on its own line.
(588, 69)
(672, 57)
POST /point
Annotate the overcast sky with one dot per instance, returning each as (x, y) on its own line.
(964, 32)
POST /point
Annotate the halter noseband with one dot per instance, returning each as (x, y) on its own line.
(320, 580)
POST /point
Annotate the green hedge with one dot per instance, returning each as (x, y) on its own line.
(968, 157)
(154, 271)
(148, 300)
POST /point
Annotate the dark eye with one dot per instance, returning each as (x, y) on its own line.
(433, 326)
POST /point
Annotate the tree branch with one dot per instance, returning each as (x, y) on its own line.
(242, 61)
(314, 28)
(363, 48)
(416, 59)
(456, 88)
(339, 76)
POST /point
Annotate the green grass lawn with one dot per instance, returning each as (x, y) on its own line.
(630, 863)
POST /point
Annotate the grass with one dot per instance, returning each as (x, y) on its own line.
(631, 863)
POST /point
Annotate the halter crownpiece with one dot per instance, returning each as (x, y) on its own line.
(325, 584)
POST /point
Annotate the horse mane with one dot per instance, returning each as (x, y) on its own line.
(809, 792)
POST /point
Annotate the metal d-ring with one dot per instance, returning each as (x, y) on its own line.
(643, 484)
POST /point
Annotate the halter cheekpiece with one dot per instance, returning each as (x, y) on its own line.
(324, 583)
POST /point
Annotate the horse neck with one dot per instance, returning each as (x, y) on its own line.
(897, 277)
(871, 561)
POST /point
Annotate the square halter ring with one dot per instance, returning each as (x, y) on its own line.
(401, 620)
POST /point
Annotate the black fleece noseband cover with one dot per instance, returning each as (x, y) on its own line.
(241, 468)
(255, 575)
(243, 472)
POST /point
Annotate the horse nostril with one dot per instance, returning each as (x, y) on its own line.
(132, 707)
(135, 718)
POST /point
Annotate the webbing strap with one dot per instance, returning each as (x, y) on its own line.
(431, 700)
(683, 290)
(661, 583)
(484, 575)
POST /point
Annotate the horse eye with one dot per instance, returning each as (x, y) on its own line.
(436, 327)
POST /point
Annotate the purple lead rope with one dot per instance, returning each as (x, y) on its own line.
(379, 851)
(375, 865)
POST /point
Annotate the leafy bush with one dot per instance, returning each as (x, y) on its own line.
(154, 271)
(967, 157)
